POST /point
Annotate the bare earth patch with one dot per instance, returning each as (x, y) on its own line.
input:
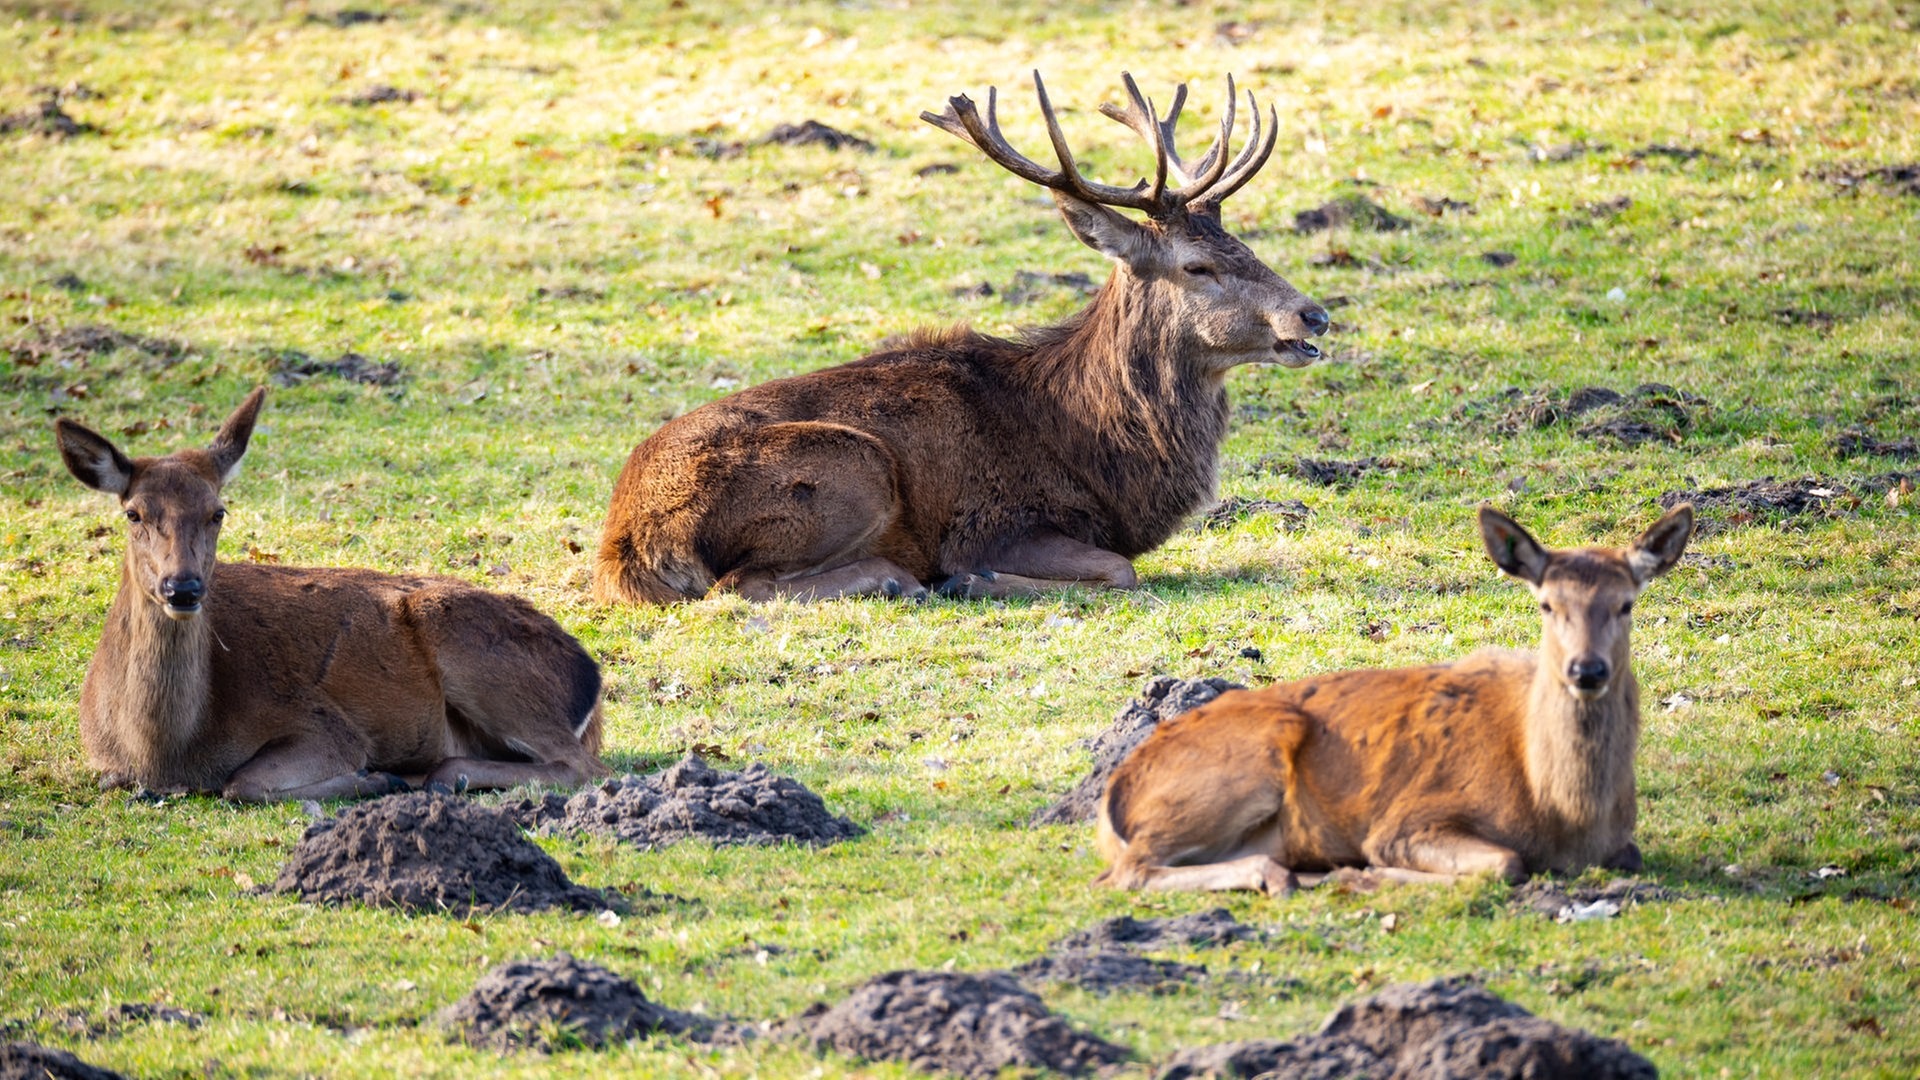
(31, 1061)
(1649, 413)
(1563, 904)
(1355, 211)
(1105, 957)
(292, 368)
(1423, 1031)
(81, 1024)
(1163, 698)
(948, 1021)
(1749, 501)
(1852, 444)
(815, 133)
(1206, 928)
(46, 118)
(1328, 472)
(564, 1003)
(423, 851)
(1292, 513)
(89, 339)
(691, 800)
(1108, 970)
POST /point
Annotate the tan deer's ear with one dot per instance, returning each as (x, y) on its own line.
(1109, 233)
(1511, 547)
(92, 458)
(231, 444)
(1661, 545)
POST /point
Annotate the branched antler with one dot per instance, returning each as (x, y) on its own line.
(1205, 185)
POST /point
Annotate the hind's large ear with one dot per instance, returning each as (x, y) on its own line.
(231, 444)
(92, 458)
(1660, 546)
(1511, 547)
(1111, 234)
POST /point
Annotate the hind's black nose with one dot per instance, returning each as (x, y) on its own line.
(183, 592)
(1317, 320)
(1588, 674)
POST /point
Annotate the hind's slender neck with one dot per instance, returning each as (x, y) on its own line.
(1580, 753)
(157, 671)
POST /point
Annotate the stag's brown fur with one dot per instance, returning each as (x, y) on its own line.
(1504, 762)
(994, 465)
(285, 683)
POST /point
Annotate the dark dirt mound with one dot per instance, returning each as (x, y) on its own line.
(1856, 443)
(1108, 970)
(1896, 179)
(1331, 473)
(815, 133)
(80, 1024)
(90, 339)
(1721, 508)
(563, 1003)
(422, 851)
(1650, 412)
(692, 800)
(1292, 513)
(1163, 698)
(46, 118)
(1556, 901)
(1030, 285)
(293, 367)
(378, 94)
(31, 1061)
(1670, 152)
(347, 17)
(1499, 258)
(1355, 211)
(1424, 1031)
(1442, 205)
(947, 1021)
(1216, 927)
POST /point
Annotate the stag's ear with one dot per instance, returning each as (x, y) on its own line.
(1660, 546)
(231, 444)
(1109, 233)
(1512, 548)
(92, 458)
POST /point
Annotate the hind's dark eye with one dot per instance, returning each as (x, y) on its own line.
(1546, 608)
(133, 516)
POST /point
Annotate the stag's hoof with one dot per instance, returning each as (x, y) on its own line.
(1274, 880)
(893, 590)
(966, 586)
(1627, 859)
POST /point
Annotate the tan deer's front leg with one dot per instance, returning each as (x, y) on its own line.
(306, 769)
(1444, 854)
(1041, 564)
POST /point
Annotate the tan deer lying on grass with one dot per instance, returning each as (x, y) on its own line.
(1504, 762)
(992, 467)
(288, 683)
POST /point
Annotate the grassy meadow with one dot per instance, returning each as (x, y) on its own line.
(562, 224)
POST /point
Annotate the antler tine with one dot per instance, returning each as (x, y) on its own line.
(1136, 197)
(1140, 117)
(1215, 163)
(962, 119)
(1252, 157)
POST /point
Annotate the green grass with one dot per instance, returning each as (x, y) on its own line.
(232, 204)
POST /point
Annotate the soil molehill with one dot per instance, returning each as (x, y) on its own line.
(1028, 286)
(293, 367)
(564, 1003)
(815, 133)
(1108, 970)
(1720, 508)
(1292, 513)
(1893, 179)
(1332, 473)
(1206, 928)
(46, 118)
(1856, 443)
(1354, 211)
(31, 1061)
(378, 94)
(692, 800)
(79, 1023)
(424, 851)
(1424, 1031)
(91, 339)
(1163, 698)
(1649, 413)
(1499, 258)
(1558, 902)
(949, 1021)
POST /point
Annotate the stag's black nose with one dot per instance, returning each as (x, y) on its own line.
(1317, 320)
(1588, 673)
(183, 592)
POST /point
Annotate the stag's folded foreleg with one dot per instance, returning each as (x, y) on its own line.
(1044, 563)
(297, 769)
(862, 577)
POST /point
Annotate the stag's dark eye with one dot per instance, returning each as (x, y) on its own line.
(133, 516)
(1200, 270)
(1626, 608)
(219, 516)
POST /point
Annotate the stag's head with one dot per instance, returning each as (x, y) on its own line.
(1232, 308)
(1586, 595)
(172, 504)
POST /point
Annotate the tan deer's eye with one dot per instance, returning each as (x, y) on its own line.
(1546, 608)
(133, 516)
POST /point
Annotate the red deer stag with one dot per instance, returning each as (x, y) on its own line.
(1505, 762)
(287, 683)
(993, 467)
